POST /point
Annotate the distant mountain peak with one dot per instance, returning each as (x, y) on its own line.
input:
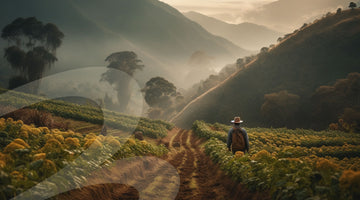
(246, 34)
(313, 56)
(162, 36)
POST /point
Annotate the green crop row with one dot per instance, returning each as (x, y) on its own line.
(29, 155)
(290, 164)
(202, 129)
(285, 178)
(151, 128)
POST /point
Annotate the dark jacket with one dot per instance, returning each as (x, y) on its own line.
(229, 139)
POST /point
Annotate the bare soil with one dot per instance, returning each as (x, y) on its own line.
(200, 178)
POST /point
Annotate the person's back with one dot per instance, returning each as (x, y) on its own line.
(237, 138)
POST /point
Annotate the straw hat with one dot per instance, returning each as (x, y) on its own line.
(237, 120)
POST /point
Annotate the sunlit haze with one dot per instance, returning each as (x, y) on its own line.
(229, 11)
(280, 15)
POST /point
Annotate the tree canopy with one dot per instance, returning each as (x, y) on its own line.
(31, 32)
(342, 98)
(126, 61)
(32, 47)
(352, 5)
(158, 92)
(122, 66)
(279, 107)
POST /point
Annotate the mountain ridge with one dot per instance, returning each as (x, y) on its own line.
(313, 56)
(162, 37)
(249, 35)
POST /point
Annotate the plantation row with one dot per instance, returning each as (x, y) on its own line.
(30, 154)
(292, 143)
(279, 161)
(150, 128)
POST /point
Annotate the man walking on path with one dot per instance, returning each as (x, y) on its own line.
(237, 138)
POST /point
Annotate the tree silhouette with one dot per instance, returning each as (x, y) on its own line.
(158, 92)
(120, 63)
(338, 11)
(126, 61)
(32, 47)
(352, 5)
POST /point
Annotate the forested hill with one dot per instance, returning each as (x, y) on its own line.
(281, 86)
(160, 35)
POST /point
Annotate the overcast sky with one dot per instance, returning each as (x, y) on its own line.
(281, 15)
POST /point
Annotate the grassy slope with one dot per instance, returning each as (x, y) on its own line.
(316, 55)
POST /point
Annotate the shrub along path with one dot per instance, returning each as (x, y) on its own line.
(199, 177)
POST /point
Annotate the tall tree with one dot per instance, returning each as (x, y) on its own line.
(158, 92)
(352, 5)
(126, 61)
(120, 63)
(32, 48)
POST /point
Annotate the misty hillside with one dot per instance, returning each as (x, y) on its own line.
(162, 37)
(247, 35)
(286, 15)
(316, 55)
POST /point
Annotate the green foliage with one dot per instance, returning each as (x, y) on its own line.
(340, 98)
(280, 107)
(34, 154)
(151, 128)
(202, 129)
(162, 97)
(158, 92)
(213, 80)
(291, 164)
(315, 55)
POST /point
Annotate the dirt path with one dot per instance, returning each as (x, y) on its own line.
(199, 177)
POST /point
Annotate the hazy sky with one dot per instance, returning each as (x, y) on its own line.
(226, 10)
(281, 15)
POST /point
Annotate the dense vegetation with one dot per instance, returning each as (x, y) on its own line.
(317, 54)
(151, 28)
(87, 113)
(291, 164)
(29, 154)
(213, 80)
(32, 48)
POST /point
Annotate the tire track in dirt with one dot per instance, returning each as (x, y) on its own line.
(200, 178)
(195, 174)
(149, 178)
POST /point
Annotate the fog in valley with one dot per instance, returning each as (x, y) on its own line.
(190, 52)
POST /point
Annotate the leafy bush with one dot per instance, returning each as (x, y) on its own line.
(29, 158)
(291, 164)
